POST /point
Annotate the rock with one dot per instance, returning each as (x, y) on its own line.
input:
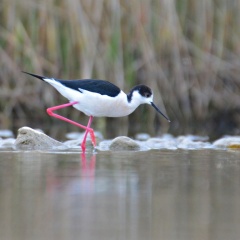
(30, 139)
(234, 146)
(228, 142)
(124, 144)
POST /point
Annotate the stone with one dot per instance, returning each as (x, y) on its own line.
(228, 142)
(30, 139)
(123, 143)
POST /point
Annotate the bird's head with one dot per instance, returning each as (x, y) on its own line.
(143, 95)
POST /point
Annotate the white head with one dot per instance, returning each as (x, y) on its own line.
(142, 94)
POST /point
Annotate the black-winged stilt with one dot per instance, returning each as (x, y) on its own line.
(97, 98)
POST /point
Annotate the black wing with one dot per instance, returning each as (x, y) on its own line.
(98, 86)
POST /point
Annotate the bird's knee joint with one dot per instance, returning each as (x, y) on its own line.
(49, 111)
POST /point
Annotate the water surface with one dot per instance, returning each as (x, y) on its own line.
(131, 195)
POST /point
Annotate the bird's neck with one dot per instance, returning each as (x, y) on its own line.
(132, 100)
(129, 97)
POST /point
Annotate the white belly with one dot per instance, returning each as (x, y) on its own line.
(93, 104)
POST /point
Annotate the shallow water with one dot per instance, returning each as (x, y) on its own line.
(130, 195)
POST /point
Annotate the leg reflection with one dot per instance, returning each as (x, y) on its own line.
(88, 166)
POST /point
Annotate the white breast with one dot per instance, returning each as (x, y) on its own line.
(94, 104)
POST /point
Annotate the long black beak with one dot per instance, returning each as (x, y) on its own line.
(159, 111)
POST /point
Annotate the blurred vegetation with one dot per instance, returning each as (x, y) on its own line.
(186, 50)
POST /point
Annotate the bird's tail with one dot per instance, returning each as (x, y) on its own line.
(36, 76)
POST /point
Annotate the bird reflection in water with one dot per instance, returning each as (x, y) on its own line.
(88, 165)
(74, 178)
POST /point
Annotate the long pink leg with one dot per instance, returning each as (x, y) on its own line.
(83, 145)
(88, 129)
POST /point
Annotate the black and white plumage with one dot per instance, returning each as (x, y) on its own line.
(99, 98)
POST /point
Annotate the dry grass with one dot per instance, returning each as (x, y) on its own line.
(187, 51)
